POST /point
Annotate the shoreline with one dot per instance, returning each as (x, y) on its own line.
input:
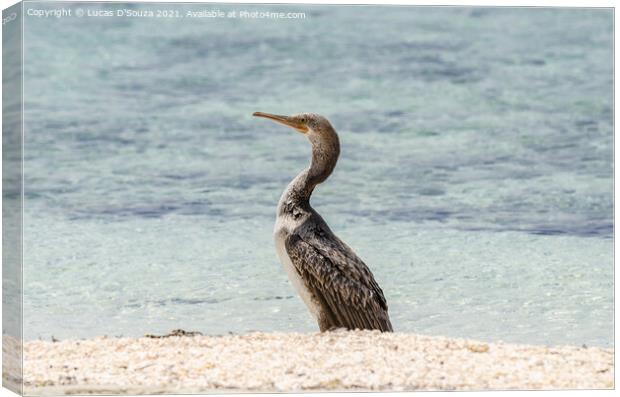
(295, 362)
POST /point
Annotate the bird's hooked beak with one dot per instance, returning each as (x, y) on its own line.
(286, 120)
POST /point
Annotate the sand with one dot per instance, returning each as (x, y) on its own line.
(277, 362)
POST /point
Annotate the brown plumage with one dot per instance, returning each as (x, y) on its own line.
(332, 280)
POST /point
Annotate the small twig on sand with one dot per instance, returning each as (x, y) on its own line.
(176, 332)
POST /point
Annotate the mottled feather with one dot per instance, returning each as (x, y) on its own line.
(339, 281)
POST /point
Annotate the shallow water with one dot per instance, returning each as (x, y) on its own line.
(475, 177)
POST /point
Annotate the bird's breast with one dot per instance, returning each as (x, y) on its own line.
(281, 233)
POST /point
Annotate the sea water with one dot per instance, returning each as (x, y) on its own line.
(475, 178)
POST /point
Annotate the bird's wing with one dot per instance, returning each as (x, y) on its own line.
(340, 281)
(343, 257)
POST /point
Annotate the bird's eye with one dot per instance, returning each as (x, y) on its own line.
(303, 119)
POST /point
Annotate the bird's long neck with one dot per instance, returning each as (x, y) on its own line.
(325, 152)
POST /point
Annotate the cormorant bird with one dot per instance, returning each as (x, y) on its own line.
(336, 285)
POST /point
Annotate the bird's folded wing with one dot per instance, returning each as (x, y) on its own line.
(348, 293)
(343, 257)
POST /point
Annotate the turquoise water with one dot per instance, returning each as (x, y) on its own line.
(475, 177)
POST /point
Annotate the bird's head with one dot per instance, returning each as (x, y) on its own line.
(324, 140)
(314, 126)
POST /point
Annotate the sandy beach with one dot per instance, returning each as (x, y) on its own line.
(286, 362)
